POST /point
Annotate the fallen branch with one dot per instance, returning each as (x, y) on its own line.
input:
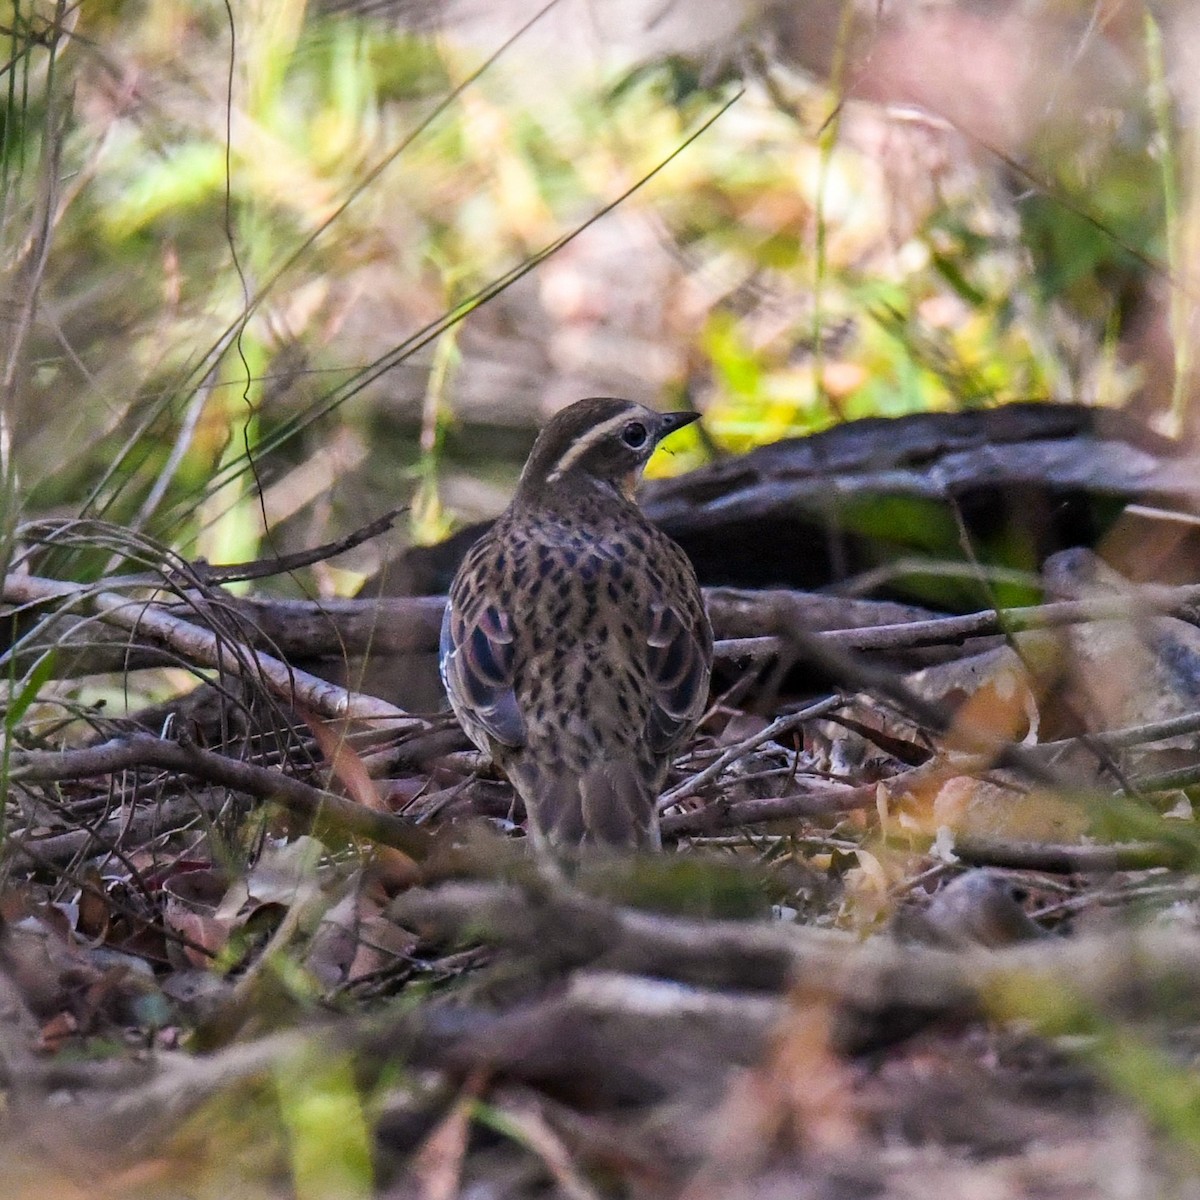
(563, 929)
(1059, 858)
(314, 631)
(145, 750)
(203, 648)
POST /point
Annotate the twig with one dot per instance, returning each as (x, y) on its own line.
(721, 814)
(143, 828)
(206, 573)
(1065, 859)
(144, 750)
(779, 726)
(875, 975)
(205, 649)
(1164, 781)
(312, 630)
(1134, 735)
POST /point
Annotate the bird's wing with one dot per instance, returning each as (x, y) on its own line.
(680, 661)
(476, 663)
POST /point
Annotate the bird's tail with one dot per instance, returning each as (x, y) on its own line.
(611, 805)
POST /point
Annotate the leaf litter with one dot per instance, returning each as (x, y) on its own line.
(942, 933)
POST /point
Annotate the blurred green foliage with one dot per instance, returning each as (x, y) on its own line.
(226, 234)
(329, 1137)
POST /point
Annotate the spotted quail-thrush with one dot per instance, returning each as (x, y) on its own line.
(575, 648)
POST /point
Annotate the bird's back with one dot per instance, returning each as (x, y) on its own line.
(575, 648)
(584, 586)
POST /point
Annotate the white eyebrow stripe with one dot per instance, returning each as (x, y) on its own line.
(579, 448)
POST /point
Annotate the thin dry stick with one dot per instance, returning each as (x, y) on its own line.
(719, 815)
(873, 974)
(203, 648)
(265, 568)
(1066, 859)
(939, 630)
(1134, 735)
(142, 827)
(207, 650)
(777, 727)
(1166, 781)
(145, 750)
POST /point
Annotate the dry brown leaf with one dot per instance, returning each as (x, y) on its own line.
(942, 797)
(335, 942)
(971, 807)
(1003, 706)
(1124, 672)
(380, 944)
(345, 763)
(348, 768)
(191, 909)
(871, 888)
(94, 911)
(57, 1031)
(42, 961)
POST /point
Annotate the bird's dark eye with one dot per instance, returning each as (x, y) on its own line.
(634, 435)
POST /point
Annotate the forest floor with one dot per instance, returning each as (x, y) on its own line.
(936, 930)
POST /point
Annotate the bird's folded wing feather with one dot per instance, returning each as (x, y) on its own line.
(679, 662)
(476, 662)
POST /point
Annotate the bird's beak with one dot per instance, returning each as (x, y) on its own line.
(668, 423)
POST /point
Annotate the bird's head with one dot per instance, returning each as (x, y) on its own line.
(600, 441)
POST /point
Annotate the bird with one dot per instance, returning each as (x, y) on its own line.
(575, 649)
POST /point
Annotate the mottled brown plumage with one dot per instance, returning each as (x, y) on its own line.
(575, 648)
